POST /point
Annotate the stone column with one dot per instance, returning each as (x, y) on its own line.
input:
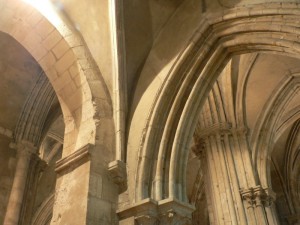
(24, 153)
(259, 203)
(223, 186)
(86, 193)
(235, 195)
(200, 151)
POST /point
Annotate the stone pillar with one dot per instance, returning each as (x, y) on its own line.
(232, 181)
(200, 152)
(24, 152)
(259, 202)
(85, 191)
(224, 193)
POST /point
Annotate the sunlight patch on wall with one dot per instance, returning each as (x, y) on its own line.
(47, 9)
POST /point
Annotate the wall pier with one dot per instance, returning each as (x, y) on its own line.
(236, 196)
(85, 191)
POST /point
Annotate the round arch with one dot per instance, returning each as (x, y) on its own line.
(67, 63)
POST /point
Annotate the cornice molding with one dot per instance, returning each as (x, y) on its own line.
(71, 161)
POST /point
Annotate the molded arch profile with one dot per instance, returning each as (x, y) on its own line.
(266, 128)
(67, 63)
(44, 213)
(180, 96)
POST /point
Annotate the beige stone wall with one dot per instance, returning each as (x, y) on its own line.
(136, 82)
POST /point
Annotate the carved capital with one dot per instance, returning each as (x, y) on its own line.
(257, 196)
(247, 197)
(24, 148)
(199, 148)
(216, 129)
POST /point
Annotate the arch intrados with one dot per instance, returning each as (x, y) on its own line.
(62, 54)
(29, 33)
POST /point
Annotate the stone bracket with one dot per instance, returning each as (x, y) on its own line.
(173, 211)
(72, 160)
(167, 211)
(147, 206)
(117, 170)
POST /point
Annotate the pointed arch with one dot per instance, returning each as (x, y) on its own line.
(179, 97)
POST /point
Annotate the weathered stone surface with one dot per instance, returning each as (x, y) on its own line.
(149, 112)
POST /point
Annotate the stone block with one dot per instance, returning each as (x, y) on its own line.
(47, 61)
(60, 49)
(44, 28)
(52, 39)
(65, 62)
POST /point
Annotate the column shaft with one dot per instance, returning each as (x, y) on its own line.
(235, 196)
(19, 184)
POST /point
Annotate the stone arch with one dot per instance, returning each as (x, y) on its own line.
(289, 119)
(44, 213)
(266, 127)
(67, 63)
(35, 111)
(171, 122)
